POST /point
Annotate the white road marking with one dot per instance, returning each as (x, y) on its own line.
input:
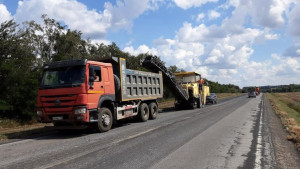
(258, 154)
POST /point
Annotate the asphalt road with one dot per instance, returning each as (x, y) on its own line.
(231, 134)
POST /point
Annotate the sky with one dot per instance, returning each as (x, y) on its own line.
(241, 42)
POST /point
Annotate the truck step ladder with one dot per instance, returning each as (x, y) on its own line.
(153, 63)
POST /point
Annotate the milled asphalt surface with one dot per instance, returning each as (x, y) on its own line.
(231, 134)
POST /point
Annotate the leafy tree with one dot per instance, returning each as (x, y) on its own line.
(43, 38)
(175, 69)
(18, 84)
(70, 46)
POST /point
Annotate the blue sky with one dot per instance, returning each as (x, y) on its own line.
(244, 42)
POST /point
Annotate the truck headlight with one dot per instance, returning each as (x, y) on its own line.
(39, 112)
(80, 110)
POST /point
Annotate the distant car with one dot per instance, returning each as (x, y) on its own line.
(212, 98)
(251, 94)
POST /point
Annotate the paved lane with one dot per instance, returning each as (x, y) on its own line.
(226, 135)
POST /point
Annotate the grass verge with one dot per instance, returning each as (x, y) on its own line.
(10, 129)
(286, 106)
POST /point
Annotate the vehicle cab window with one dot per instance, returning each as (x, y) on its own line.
(95, 73)
(94, 76)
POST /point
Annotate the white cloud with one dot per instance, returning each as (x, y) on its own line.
(271, 36)
(186, 4)
(270, 13)
(292, 51)
(4, 14)
(294, 21)
(267, 13)
(275, 56)
(141, 49)
(220, 53)
(213, 14)
(125, 11)
(188, 33)
(92, 23)
(200, 16)
(223, 52)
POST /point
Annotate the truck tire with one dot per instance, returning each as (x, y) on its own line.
(117, 83)
(144, 112)
(193, 104)
(199, 103)
(153, 108)
(177, 107)
(105, 119)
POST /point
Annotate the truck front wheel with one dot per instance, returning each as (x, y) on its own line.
(144, 112)
(104, 119)
(153, 110)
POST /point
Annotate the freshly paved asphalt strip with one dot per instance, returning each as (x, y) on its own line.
(230, 134)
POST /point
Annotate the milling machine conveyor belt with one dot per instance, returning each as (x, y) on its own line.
(155, 64)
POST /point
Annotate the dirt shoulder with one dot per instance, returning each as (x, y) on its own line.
(286, 154)
(24, 131)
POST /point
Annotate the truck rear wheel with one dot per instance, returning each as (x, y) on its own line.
(153, 110)
(199, 103)
(104, 119)
(144, 112)
(193, 104)
(177, 107)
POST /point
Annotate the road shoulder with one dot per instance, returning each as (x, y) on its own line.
(285, 151)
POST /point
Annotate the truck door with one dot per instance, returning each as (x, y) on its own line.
(106, 80)
(96, 87)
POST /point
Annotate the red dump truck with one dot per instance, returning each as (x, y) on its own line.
(78, 93)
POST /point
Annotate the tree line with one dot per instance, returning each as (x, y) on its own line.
(274, 89)
(216, 87)
(281, 88)
(25, 48)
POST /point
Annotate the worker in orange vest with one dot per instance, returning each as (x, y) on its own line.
(201, 81)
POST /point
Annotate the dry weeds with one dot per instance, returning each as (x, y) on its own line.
(290, 124)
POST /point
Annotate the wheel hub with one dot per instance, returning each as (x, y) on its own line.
(106, 119)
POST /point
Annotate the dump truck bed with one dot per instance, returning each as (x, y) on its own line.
(140, 85)
(135, 85)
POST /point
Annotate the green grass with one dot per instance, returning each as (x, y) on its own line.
(284, 104)
(295, 106)
(8, 123)
(3, 137)
(11, 123)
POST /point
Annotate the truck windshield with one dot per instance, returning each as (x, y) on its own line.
(63, 77)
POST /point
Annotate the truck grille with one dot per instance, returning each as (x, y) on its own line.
(58, 103)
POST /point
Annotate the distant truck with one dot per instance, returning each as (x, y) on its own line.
(257, 92)
(78, 93)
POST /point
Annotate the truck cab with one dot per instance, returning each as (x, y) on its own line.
(70, 91)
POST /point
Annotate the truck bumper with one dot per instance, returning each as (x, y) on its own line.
(68, 117)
